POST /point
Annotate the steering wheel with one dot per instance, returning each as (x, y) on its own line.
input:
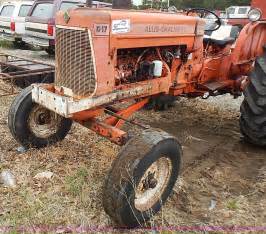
(202, 12)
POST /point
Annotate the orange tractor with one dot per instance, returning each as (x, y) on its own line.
(111, 63)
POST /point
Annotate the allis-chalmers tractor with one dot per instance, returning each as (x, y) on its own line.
(111, 63)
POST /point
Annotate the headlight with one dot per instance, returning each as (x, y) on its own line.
(254, 15)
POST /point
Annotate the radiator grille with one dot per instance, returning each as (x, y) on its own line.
(75, 63)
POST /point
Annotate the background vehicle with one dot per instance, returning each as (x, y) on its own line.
(223, 15)
(238, 15)
(12, 20)
(137, 58)
(40, 23)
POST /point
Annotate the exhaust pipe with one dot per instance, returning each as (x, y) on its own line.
(122, 4)
(88, 3)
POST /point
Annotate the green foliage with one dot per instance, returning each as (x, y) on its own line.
(75, 183)
(232, 205)
(182, 4)
(210, 4)
(5, 44)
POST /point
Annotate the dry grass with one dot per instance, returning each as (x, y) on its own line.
(81, 162)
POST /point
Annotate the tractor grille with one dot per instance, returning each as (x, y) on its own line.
(75, 63)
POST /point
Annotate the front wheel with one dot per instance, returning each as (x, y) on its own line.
(33, 125)
(19, 44)
(142, 178)
(50, 50)
(253, 109)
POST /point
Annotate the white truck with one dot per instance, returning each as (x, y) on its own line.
(238, 15)
(12, 20)
(238, 12)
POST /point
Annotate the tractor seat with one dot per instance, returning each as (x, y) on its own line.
(225, 35)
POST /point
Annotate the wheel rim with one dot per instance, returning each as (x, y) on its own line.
(43, 123)
(153, 184)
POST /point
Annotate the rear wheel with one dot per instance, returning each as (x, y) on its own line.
(142, 178)
(33, 125)
(253, 109)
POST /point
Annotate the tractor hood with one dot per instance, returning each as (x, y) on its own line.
(131, 29)
(91, 38)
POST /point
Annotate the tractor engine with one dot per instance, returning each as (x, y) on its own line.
(100, 51)
(134, 65)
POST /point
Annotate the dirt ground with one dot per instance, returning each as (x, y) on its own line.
(223, 181)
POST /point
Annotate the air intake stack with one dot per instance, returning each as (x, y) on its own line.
(88, 3)
(121, 4)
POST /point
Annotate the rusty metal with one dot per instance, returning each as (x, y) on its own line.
(67, 106)
(110, 127)
(125, 120)
(18, 71)
(43, 123)
(121, 117)
(152, 184)
(114, 134)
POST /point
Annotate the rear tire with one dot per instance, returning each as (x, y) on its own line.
(142, 178)
(253, 108)
(34, 126)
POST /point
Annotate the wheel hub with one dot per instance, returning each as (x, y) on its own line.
(150, 182)
(153, 184)
(43, 118)
(42, 122)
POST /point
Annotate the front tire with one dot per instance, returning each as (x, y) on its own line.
(34, 126)
(19, 44)
(142, 178)
(253, 109)
(50, 50)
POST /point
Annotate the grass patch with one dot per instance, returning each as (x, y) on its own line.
(6, 44)
(232, 205)
(75, 183)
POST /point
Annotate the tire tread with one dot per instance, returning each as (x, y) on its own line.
(253, 108)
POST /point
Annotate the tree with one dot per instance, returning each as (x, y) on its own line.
(209, 4)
